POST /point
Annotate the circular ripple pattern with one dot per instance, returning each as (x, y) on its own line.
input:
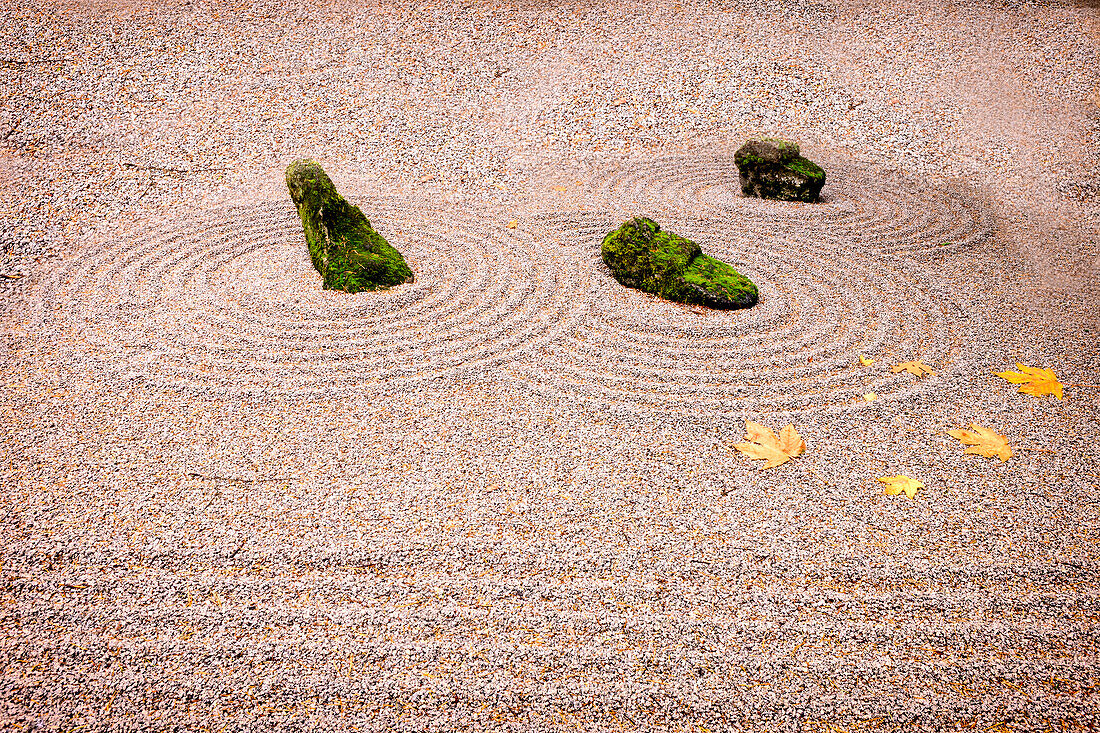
(233, 305)
(822, 303)
(879, 211)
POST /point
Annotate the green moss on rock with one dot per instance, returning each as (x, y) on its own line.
(771, 168)
(345, 249)
(716, 283)
(808, 168)
(643, 256)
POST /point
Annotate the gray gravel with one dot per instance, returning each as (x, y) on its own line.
(505, 496)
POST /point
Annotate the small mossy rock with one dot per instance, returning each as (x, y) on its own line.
(345, 249)
(642, 256)
(774, 169)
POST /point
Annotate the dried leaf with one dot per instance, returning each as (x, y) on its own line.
(758, 433)
(865, 361)
(1034, 381)
(790, 442)
(898, 484)
(559, 189)
(512, 224)
(870, 396)
(983, 442)
(767, 446)
(771, 454)
(913, 367)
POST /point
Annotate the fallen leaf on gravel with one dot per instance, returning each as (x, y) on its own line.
(913, 367)
(983, 442)
(870, 396)
(512, 224)
(766, 445)
(897, 484)
(559, 189)
(865, 361)
(1034, 381)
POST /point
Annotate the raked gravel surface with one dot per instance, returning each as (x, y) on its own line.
(505, 496)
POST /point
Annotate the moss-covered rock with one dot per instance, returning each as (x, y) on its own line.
(774, 169)
(641, 255)
(345, 249)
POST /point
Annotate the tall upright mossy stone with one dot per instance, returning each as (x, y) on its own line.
(641, 255)
(345, 249)
(773, 169)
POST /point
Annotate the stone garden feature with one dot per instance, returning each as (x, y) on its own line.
(641, 255)
(773, 169)
(345, 249)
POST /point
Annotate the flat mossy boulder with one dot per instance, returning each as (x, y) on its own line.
(773, 169)
(643, 256)
(345, 249)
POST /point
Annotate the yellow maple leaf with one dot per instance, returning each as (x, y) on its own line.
(865, 361)
(772, 448)
(913, 367)
(1034, 381)
(983, 442)
(897, 484)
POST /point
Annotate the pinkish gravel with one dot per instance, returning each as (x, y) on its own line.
(505, 497)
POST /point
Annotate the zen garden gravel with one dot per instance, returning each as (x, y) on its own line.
(505, 496)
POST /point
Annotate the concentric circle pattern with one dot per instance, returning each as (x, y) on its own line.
(231, 304)
(878, 211)
(823, 302)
